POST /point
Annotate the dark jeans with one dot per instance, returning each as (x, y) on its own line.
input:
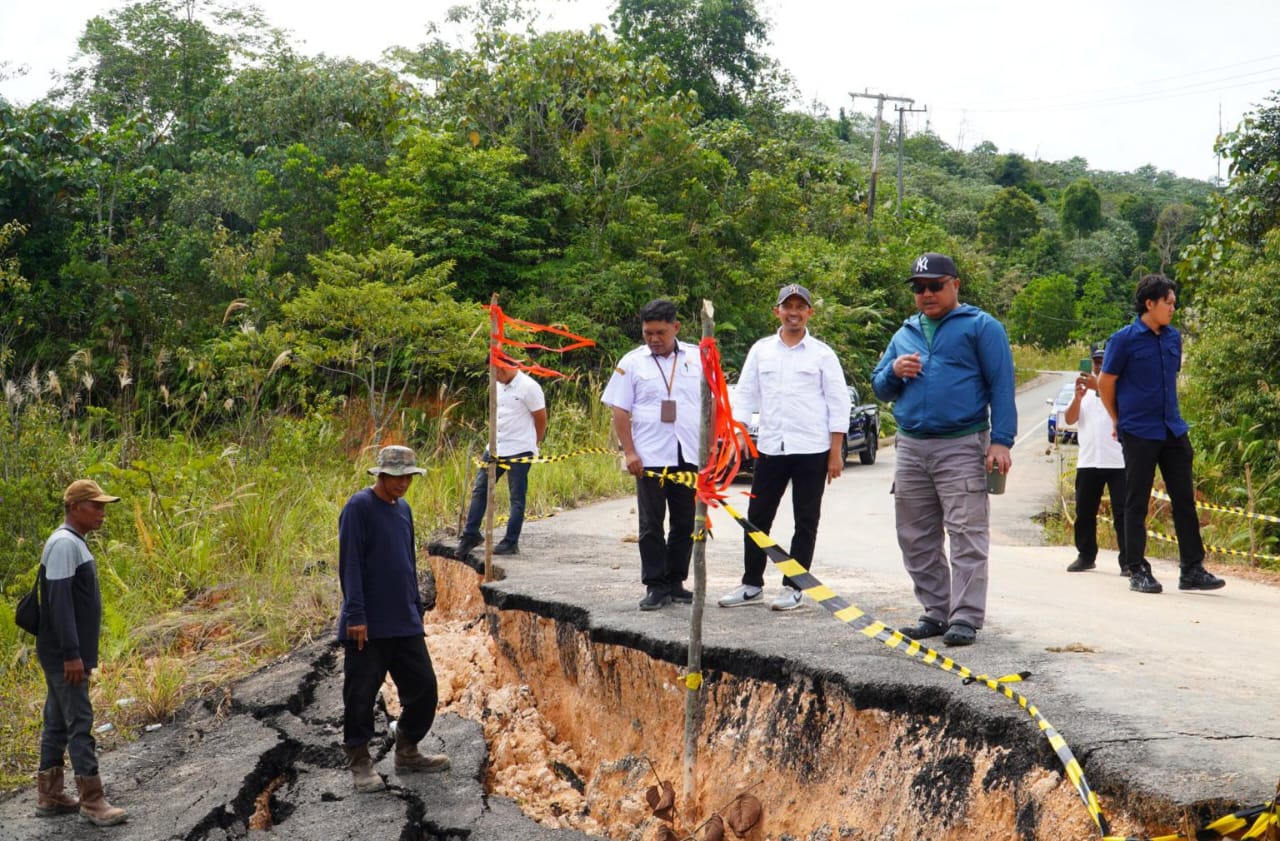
(517, 485)
(68, 725)
(363, 672)
(664, 558)
(807, 474)
(1173, 456)
(1090, 482)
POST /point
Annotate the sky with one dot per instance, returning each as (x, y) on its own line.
(1121, 83)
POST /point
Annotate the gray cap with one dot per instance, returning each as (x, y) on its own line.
(793, 289)
(396, 461)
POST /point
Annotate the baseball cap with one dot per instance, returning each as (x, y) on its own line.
(396, 460)
(86, 490)
(931, 265)
(793, 289)
(1097, 350)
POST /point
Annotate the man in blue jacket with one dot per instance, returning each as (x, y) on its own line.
(380, 625)
(949, 372)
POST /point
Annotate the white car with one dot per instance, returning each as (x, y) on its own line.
(1059, 429)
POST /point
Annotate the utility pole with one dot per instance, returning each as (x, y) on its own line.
(903, 110)
(880, 99)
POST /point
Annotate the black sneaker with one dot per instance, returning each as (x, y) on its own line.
(465, 544)
(505, 548)
(655, 599)
(924, 629)
(1142, 581)
(1199, 578)
(680, 595)
(1081, 565)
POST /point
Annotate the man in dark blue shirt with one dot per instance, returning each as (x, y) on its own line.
(1139, 387)
(380, 626)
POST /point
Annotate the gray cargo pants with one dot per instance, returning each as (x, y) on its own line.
(940, 485)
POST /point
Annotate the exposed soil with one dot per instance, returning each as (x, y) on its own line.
(577, 729)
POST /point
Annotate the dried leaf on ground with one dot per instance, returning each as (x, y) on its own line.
(714, 829)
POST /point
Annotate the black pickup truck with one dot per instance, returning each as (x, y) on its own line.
(862, 437)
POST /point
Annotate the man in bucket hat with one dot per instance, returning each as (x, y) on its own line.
(380, 625)
(949, 372)
(797, 385)
(67, 647)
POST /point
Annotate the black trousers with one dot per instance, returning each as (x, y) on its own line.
(363, 672)
(807, 474)
(1173, 456)
(664, 557)
(1090, 482)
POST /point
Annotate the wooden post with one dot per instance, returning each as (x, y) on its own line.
(492, 467)
(693, 674)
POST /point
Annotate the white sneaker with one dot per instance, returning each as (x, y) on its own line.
(746, 594)
(788, 599)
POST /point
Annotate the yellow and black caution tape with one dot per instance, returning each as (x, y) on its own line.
(1263, 817)
(589, 451)
(873, 628)
(1209, 506)
(1216, 550)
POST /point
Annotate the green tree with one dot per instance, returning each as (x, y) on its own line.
(1044, 312)
(1007, 220)
(1081, 208)
(383, 324)
(715, 48)
(1141, 211)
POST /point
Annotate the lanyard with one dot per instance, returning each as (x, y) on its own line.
(675, 360)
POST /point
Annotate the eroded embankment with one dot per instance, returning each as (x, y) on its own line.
(827, 759)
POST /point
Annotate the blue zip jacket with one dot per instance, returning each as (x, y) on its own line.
(968, 369)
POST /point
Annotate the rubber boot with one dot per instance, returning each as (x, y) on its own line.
(362, 773)
(51, 796)
(94, 807)
(409, 760)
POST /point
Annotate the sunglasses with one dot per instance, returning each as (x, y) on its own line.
(918, 286)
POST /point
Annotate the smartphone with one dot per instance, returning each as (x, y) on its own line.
(1086, 366)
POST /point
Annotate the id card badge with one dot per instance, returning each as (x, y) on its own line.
(667, 413)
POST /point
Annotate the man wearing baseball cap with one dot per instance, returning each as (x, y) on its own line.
(1099, 466)
(380, 625)
(949, 372)
(67, 647)
(797, 385)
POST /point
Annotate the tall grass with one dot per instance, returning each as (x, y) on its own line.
(221, 557)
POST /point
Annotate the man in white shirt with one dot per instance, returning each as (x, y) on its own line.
(1099, 465)
(656, 397)
(797, 385)
(522, 424)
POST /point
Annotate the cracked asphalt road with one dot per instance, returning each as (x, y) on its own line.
(197, 780)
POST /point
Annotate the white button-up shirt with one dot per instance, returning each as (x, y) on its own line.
(800, 393)
(639, 386)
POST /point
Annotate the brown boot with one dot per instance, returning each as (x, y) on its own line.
(51, 797)
(408, 760)
(362, 773)
(94, 807)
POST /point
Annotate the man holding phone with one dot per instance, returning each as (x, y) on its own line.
(1100, 465)
(949, 372)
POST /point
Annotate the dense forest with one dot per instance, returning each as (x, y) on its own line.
(220, 257)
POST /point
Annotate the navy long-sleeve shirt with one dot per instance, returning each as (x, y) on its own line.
(378, 567)
(70, 602)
